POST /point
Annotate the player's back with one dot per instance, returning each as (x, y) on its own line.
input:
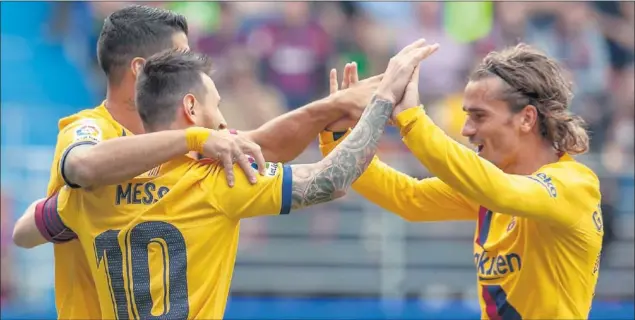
(161, 244)
(75, 296)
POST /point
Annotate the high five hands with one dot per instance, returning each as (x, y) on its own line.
(401, 79)
(399, 84)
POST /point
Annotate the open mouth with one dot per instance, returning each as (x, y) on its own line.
(479, 148)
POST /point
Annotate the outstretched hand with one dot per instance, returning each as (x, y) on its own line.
(353, 94)
(400, 70)
(411, 96)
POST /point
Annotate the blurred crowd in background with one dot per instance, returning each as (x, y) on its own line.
(281, 52)
(271, 57)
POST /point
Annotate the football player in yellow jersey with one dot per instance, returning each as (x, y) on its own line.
(164, 243)
(539, 227)
(129, 35)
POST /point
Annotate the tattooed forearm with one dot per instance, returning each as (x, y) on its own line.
(331, 177)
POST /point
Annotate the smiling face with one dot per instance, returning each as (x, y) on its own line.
(491, 125)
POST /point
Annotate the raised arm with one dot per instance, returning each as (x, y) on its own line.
(282, 139)
(298, 186)
(333, 175)
(286, 187)
(543, 195)
(412, 199)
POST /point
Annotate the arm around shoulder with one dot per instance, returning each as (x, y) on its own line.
(25, 232)
(40, 224)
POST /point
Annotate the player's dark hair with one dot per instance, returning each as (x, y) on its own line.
(532, 78)
(136, 31)
(165, 80)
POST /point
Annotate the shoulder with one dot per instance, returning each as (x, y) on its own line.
(570, 178)
(98, 115)
(572, 172)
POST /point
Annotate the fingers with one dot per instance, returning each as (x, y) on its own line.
(228, 166)
(415, 74)
(333, 87)
(354, 74)
(244, 164)
(416, 44)
(256, 152)
(420, 54)
(346, 76)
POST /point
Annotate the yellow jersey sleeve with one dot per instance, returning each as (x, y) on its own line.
(559, 193)
(84, 131)
(412, 199)
(271, 195)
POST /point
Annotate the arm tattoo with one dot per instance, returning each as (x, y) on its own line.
(331, 177)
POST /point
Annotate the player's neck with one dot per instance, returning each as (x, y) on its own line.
(531, 158)
(122, 108)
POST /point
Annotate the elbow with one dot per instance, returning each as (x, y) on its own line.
(22, 241)
(20, 237)
(339, 193)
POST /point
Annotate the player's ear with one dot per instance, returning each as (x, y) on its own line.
(528, 118)
(189, 101)
(136, 65)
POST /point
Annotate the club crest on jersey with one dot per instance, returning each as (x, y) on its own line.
(87, 131)
(545, 181)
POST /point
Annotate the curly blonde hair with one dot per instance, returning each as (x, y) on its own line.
(532, 78)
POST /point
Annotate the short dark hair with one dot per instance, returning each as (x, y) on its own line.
(136, 31)
(163, 82)
(532, 78)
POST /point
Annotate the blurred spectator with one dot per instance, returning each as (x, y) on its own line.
(293, 52)
(6, 262)
(442, 73)
(448, 114)
(357, 37)
(218, 41)
(570, 34)
(616, 22)
(608, 187)
(203, 17)
(247, 103)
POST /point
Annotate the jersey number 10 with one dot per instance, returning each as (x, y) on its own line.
(136, 268)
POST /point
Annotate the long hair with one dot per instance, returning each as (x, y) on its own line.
(532, 78)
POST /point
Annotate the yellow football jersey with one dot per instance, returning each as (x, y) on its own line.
(538, 241)
(75, 293)
(164, 244)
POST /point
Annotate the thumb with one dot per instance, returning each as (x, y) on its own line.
(415, 76)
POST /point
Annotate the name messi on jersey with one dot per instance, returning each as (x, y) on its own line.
(139, 193)
(489, 268)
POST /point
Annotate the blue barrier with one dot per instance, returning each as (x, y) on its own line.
(371, 309)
